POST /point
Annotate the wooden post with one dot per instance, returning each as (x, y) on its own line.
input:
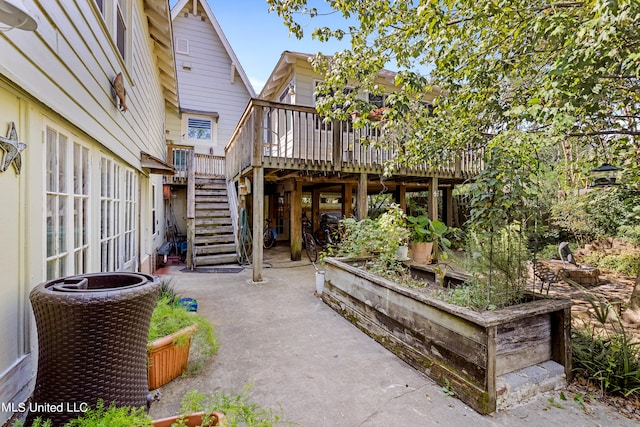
(191, 210)
(337, 145)
(401, 196)
(432, 200)
(258, 196)
(315, 209)
(447, 206)
(347, 200)
(295, 223)
(258, 220)
(363, 208)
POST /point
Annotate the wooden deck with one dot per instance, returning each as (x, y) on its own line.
(290, 140)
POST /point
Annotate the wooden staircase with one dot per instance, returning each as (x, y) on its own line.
(214, 243)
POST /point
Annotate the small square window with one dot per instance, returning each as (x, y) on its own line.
(199, 129)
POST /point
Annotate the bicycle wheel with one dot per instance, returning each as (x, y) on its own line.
(269, 238)
(310, 247)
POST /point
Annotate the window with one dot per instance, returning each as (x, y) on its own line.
(377, 100)
(67, 205)
(199, 129)
(118, 217)
(100, 4)
(121, 27)
(182, 46)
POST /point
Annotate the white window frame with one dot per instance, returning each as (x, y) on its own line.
(212, 141)
(67, 203)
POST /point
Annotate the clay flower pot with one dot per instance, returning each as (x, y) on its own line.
(168, 356)
(193, 420)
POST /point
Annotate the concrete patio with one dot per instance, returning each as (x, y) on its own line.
(302, 358)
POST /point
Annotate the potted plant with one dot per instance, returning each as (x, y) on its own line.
(171, 332)
(427, 237)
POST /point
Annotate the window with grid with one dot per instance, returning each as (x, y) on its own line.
(121, 27)
(67, 205)
(130, 217)
(110, 234)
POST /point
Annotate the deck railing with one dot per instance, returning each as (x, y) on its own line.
(285, 136)
(205, 165)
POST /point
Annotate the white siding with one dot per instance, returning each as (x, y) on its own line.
(208, 86)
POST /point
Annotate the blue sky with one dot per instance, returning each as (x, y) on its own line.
(258, 37)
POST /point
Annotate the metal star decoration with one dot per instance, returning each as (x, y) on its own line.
(12, 149)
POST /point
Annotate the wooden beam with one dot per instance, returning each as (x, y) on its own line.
(258, 220)
(295, 223)
(257, 141)
(362, 206)
(447, 205)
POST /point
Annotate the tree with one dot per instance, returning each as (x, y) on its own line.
(515, 78)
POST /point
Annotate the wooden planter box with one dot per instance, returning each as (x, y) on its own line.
(168, 356)
(468, 349)
(192, 420)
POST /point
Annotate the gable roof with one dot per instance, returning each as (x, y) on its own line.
(160, 31)
(177, 8)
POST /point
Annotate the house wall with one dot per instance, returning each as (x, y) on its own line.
(206, 79)
(58, 79)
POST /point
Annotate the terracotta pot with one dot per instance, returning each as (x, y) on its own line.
(422, 252)
(192, 420)
(168, 356)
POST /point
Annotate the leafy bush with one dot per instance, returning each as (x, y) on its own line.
(626, 264)
(237, 408)
(111, 416)
(608, 357)
(496, 264)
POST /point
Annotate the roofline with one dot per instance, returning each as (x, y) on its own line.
(216, 26)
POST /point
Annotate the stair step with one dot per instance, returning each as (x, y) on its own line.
(211, 199)
(216, 259)
(211, 181)
(219, 229)
(214, 239)
(213, 206)
(211, 221)
(211, 192)
(225, 248)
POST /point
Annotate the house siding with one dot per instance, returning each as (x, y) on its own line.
(59, 77)
(207, 85)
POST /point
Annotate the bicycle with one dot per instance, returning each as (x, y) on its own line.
(245, 241)
(308, 241)
(269, 235)
(329, 231)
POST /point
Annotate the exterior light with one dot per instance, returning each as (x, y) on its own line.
(14, 14)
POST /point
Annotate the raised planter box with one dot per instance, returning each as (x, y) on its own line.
(192, 420)
(472, 351)
(168, 356)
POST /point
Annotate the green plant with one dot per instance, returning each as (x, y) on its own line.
(167, 291)
(446, 388)
(607, 356)
(111, 416)
(237, 408)
(169, 317)
(38, 422)
(423, 229)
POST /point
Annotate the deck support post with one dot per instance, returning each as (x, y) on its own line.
(432, 200)
(295, 223)
(191, 210)
(363, 208)
(258, 220)
(401, 196)
(447, 205)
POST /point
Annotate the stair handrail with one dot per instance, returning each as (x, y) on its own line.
(232, 195)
